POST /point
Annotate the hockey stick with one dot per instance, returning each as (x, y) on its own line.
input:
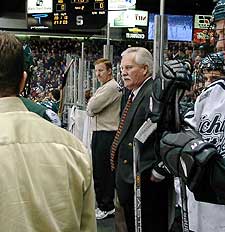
(65, 74)
(163, 117)
(184, 208)
(64, 80)
(140, 137)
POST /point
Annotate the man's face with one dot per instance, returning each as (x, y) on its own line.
(211, 76)
(102, 73)
(220, 31)
(133, 74)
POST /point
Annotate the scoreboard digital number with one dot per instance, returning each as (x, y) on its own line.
(68, 15)
(79, 14)
(60, 19)
(79, 1)
(90, 5)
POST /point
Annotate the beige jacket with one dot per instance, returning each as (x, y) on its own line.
(45, 175)
(104, 107)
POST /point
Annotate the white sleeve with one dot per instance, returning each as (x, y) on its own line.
(192, 117)
(53, 117)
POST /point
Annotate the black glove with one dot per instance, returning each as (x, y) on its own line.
(186, 155)
(160, 171)
(178, 70)
(174, 75)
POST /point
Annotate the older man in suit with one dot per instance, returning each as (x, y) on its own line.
(136, 69)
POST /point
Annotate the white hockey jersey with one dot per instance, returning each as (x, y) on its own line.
(208, 118)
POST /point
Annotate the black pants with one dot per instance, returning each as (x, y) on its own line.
(104, 181)
(154, 207)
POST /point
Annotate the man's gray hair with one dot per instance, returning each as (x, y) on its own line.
(142, 56)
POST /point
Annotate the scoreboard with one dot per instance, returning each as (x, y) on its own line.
(67, 14)
(79, 14)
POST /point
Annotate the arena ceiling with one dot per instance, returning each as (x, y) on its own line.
(189, 7)
(171, 6)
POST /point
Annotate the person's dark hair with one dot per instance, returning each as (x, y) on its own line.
(11, 65)
(107, 63)
(56, 94)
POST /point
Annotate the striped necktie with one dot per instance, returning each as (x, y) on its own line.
(116, 138)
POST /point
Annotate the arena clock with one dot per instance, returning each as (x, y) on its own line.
(79, 14)
(65, 15)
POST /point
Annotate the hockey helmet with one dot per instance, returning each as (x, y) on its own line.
(218, 12)
(213, 62)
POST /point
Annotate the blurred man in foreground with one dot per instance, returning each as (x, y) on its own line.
(46, 175)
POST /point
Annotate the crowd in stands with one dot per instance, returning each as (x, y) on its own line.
(49, 58)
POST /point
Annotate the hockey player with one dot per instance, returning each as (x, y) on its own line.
(208, 119)
(198, 157)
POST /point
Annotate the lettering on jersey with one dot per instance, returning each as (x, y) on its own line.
(213, 131)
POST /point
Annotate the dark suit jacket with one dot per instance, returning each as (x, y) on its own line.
(154, 196)
(136, 116)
